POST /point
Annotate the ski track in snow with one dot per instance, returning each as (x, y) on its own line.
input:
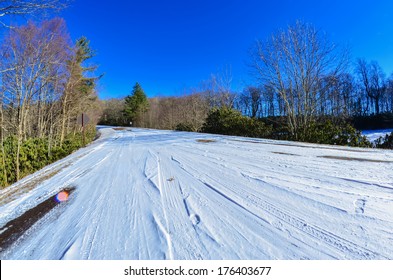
(149, 194)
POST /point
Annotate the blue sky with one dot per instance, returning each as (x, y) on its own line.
(171, 46)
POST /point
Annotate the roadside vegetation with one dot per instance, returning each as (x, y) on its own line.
(385, 142)
(46, 84)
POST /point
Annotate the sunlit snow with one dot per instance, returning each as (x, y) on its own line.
(149, 194)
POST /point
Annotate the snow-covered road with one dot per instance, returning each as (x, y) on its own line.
(149, 194)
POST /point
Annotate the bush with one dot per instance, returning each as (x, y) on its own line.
(34, 154)
(228, 121)
(7, 162)
(385, 142)
(184, 127)
(334, 134)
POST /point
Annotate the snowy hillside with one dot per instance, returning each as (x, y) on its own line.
(148, 194)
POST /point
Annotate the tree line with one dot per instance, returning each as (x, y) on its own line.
(304, 84)
(45, 84)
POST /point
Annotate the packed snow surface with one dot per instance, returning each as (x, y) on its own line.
(149, 194)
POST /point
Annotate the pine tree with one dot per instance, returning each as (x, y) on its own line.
(79, 91)
(136, 104)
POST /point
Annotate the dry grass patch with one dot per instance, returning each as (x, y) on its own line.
(355, 159)
(281, 153)
(206, 140)
(335, 148)
(119, 128)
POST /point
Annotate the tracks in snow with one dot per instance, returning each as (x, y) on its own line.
(178, 224)
(278, 216)
(165, 196)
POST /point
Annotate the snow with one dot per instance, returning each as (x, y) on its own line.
(373, 135)
(150, 194)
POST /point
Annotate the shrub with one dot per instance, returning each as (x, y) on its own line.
(228, 121)
(334, 134)
(34, 154)
(7, 162)
(184, 127)
(385, 142)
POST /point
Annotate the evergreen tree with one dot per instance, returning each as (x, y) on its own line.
(79, 95)
(136, 104)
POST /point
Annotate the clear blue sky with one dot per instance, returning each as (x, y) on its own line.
(169, 46)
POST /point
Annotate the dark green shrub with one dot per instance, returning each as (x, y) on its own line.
(34, 154)
(184, 127)
(385, 142)
(229, 121)
(334, 134)
(7, 161)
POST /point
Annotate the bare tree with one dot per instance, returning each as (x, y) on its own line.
(251, 101)
(218, 89)
(28, 7)
(293, 63)
(373, 80)
(35, 58)
(389, 94)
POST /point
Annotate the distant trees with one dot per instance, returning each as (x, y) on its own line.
(373, 81)
(294, 63)
(136, 104)
(187, 111)
(217, 89)
(250, 100)
(174, 112)
(113, 112)
(389, 94)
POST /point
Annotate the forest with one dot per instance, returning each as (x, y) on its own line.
(305, 88)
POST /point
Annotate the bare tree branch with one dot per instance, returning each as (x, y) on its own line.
(294, 63)
(28, 7)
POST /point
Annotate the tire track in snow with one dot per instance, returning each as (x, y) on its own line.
(179, 227)
(93, 216)
(315, 232)
(167, 232)
(236, 195)
(230, 229)
(143, 215)
(259, 163)
(91, 233)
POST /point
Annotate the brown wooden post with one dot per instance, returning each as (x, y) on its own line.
(83, 131)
